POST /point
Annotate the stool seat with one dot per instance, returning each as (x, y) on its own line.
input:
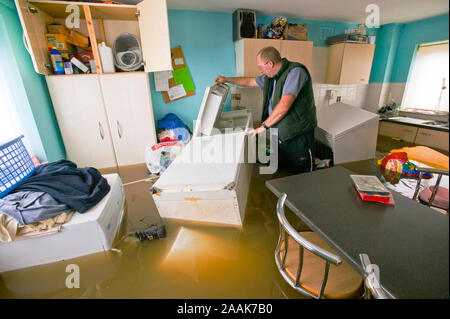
(343, 281)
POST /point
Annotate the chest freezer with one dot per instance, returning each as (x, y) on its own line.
(209, 180)
(349, 131)
(91, 232)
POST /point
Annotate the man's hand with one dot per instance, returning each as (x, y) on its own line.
(256, 131)
(220, 79)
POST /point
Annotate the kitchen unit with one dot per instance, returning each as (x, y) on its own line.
(106, 119)
(208, 181)
(416, 131)
(247, 49)
(349, 63)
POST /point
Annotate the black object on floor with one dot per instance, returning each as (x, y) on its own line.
(152, 232)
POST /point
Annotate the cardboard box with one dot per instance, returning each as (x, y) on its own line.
(55, 28)
(295, 32)
(57, 41)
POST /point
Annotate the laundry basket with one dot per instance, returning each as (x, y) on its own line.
(15, 165)
(127, 52)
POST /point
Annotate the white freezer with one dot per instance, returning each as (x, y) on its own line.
(349, 131)
(209, 180)
(87, 233)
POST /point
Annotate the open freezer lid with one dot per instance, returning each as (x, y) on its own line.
(339, 118)
(211, 108)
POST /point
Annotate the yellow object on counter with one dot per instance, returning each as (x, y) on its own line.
(425, 155)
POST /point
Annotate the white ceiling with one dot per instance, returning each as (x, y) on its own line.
(352, 11)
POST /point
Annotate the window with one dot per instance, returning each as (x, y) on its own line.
(427, 88)
(9, 123)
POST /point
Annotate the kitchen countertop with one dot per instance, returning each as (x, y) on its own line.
(428, 124)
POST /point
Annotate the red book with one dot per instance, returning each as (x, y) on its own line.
(371, 197)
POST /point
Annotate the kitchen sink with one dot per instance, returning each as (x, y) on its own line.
(437, 123)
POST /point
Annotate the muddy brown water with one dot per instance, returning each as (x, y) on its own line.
(192, 261)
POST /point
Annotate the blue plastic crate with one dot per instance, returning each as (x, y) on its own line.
(15, 165)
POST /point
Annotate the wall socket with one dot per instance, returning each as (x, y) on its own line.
(331, 94)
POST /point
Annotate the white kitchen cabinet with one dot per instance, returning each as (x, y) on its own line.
(246, 51)
(128, 105)
(150, 16)
(82, 120)
(208, 181)
(432, 138)
(349, 63)
(406, 133)
(105, 120)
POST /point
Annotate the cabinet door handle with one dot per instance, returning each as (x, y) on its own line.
(119, 129)
(426, 134)
(25, 43)
(101, 131)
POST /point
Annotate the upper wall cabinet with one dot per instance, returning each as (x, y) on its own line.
(349, 63)
(148, 21)
(247, 49)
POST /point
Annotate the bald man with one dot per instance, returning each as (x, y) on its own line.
(288, 105)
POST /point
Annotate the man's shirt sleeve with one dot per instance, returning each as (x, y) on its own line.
(295, 80)
(260, 81)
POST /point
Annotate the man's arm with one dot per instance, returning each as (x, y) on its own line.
(278, 113)
(280, 110)
(241, 81)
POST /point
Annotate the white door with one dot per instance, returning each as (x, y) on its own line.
(154, 29)
(34, 24)
(78, 105)
(129, 107)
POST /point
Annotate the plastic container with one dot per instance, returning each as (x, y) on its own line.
(15, 165)
(127, 52)
(57, 62)
(107, 57)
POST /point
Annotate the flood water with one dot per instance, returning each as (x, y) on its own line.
(192, 261)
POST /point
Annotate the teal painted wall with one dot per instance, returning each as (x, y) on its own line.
(396, 45)
(206, 40)
(387, 39)
(28, 89)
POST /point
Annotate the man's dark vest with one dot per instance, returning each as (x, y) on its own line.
(301, 116)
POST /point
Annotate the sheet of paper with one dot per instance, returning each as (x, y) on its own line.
(179, 61)
(162, 80)
(182, 76)
(176, 92)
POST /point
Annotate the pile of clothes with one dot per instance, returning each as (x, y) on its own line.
(49, 197)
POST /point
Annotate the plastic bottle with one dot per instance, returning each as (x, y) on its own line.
(57, 62)
(106, 56)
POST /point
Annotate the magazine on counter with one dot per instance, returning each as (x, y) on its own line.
(371, 189)
(369, 184)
